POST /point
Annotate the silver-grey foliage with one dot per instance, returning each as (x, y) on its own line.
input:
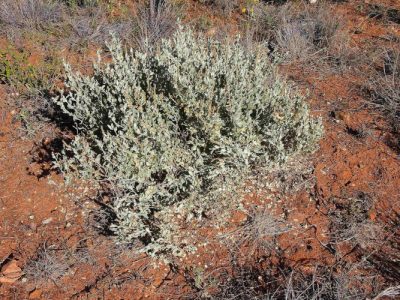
(175, 132)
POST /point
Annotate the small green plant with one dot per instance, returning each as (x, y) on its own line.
(175, 133)
(15, 69)
(32, 81)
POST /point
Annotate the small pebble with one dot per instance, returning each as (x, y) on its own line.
(47, 221)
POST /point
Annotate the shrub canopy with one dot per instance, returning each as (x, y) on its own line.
(176, 130)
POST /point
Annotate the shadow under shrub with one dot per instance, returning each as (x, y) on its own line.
(175, 133)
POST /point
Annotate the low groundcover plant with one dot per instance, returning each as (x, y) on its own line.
(175, 132)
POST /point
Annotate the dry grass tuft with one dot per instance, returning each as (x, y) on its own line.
(155, 21)
(52, 262)
(302, 33)
(30, 14)
(383, 87)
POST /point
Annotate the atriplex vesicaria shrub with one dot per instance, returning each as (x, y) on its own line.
(175, 132)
